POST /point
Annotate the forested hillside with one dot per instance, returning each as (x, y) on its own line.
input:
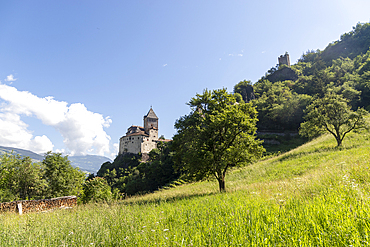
(342, 68)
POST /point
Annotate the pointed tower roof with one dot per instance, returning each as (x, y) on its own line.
(151, 114)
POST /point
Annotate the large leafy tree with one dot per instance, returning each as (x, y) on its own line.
(332, 114)
(20, 178)
(217, 134)
(62, 178)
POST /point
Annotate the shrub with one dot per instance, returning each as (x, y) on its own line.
(96, 190)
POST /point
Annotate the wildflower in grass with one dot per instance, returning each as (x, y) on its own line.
(165, 230)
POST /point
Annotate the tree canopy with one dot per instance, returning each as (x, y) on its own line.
(245, 90)
(279, 107)
(23, 179)
(20, 178)
(62, 178)
(217, 134)
(96, 190)
(131, 176)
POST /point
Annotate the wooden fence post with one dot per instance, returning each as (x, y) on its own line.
(19, 208)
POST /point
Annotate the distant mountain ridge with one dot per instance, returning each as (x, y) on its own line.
(87, 163)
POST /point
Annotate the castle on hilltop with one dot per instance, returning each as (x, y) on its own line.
(141, 139)
(284, 72)
(284, 59)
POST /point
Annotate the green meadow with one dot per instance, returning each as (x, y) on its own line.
(314, 195)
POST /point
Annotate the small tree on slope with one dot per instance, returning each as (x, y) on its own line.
(332, 114)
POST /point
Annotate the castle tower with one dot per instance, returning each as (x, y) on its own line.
(141, 139)
(150, 121)
(284, 59)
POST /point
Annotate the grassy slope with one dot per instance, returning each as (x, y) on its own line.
(313, 195)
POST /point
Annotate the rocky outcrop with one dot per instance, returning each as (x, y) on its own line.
(283, 74)
(247, 93)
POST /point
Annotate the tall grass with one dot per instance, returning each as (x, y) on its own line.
(315, 195)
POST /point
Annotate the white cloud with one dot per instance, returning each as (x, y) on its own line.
(10, 78)
(14, 133)
(82, 130)
(115, 151)
(41, 144)
(63, 151)
(237, 55)
(164, 65)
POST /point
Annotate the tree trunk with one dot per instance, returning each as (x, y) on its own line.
(221, 184)
(339, 141)
(338, 137)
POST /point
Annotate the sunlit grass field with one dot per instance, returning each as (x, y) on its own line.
(315, 195)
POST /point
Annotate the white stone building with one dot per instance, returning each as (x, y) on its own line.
(141, 139)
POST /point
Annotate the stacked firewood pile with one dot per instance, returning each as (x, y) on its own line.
(38, 205)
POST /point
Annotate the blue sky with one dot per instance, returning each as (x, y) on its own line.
(76, 74)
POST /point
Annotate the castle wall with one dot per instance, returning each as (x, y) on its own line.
(131, 144)
(151, 142)
(147, 146)
(121, 146)
(153, 135)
